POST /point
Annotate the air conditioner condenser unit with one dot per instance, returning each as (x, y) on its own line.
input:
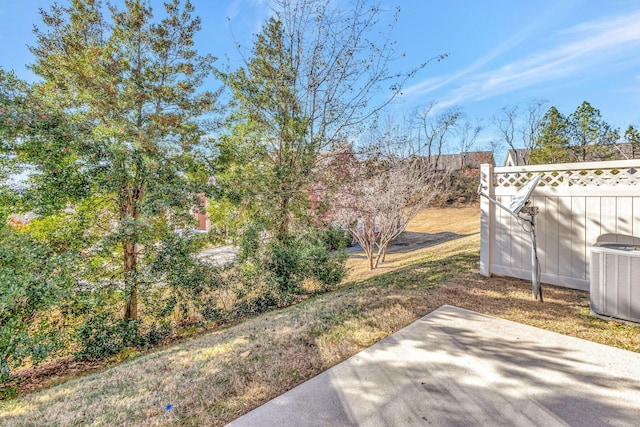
(615, 281)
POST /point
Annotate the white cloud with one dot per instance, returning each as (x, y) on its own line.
(577, 51)
(234, 9)
(249, 15)
(431, 84)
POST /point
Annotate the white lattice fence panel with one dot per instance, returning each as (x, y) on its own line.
(627, 176)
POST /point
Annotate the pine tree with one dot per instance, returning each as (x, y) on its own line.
(632, 136)
(590, 134)
(553, 140)
(312, 80)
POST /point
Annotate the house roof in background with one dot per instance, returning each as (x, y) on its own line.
(517, 157)
(621, 151)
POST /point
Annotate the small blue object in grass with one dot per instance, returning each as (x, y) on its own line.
(169, 406)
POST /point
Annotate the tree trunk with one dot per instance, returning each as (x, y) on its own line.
(130, 266)
(382, 252)
(129, 210)
(379, 257)
(283, 226)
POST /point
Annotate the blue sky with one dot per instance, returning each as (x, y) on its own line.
(501, 52)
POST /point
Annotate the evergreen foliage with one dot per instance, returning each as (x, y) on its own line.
(113, 140)
(581, 137)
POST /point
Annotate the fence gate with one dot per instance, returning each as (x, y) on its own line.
(581, 205)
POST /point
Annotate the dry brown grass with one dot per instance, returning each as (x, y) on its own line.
(431, 227)
(214, 378)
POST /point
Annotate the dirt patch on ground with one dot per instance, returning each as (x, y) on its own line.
(48, 374)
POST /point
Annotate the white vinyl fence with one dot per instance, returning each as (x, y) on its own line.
(580, 205)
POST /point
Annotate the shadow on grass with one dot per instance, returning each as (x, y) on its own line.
(454, 280)
(410, 241)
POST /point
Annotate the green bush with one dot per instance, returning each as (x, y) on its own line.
(156, 333)
(213, 313)
(101, 336)
(290, 260)
(285, 266)
(255, 305)
(34, 283)
(328, 270)
(249, 242)
(190, 282)
(336, 238)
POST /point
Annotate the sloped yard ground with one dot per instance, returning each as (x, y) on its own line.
(215, 378)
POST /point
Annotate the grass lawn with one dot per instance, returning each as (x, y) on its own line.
(214, 378)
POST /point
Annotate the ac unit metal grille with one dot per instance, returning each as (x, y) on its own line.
(615, 282)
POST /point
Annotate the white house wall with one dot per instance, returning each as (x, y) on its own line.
(580, 204)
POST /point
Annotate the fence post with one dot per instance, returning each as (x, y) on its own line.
(487, 210)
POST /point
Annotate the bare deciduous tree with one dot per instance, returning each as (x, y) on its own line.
(505, 123)
(388, 188)
(467, 136)
(431, 133)
(530, 130)
(519, 126)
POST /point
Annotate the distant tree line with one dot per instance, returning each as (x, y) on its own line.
(552, 137)
(582, 136)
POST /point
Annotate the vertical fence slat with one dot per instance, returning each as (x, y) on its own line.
(593, 227)
(636, 220)
(608, 216)
(624, 224)
(578, 237)
(502, 229)
(564, 236)
(552, 236)
(541, 235)
(487, 210)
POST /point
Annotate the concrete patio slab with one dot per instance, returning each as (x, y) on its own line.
(455, 367)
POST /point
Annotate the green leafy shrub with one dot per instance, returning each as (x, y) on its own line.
(34, 283)
(249, 242)
(189, 282)
(336, 238)
(101, 336)
(255, 305)
(327, 269)
(285, 263)
(157, 333)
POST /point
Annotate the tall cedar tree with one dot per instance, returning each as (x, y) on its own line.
(12, 92)
(274, 133)
(118, 127)
(632, 136)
